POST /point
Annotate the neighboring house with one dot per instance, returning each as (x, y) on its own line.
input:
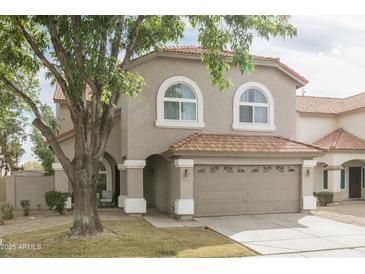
(186, 148)
(336, 124)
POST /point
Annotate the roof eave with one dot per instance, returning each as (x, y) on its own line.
(301, 81)
(174, 153)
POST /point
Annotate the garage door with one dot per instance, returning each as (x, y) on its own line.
(234, 190)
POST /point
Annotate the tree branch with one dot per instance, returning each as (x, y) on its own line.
(38, 123)
(117, 38)
(40, 54)
(132, 42)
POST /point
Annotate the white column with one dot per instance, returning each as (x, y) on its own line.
(308, 200)
(123, 193)
(334, 182)
(184, 204)
(134, 203)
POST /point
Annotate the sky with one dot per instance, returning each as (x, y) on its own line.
(329, 51)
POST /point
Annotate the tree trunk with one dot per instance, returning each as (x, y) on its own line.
(86, 218)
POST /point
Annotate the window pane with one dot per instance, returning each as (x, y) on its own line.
(325, 179)
(180, 91)
(246, 114)
(342, 179)
(253, 96)
(171, 110)
(261, 115)
(188, 111)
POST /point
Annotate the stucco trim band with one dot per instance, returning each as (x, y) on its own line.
(309, 163)
(134, 205)
(184, 206)
(134, 164)
(184, 163)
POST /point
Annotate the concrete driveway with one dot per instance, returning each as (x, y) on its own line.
(291, 235)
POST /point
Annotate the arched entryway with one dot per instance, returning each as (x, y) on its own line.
(155, 182)
(108, 175)
(353, 179)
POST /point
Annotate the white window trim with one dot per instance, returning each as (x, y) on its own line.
(323, 178)
(108, 173)
(237, 125)
(162, 122)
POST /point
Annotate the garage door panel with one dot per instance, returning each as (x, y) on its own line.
(232, 190)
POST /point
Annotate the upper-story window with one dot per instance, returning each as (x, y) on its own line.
(253, 108)
(179, 104)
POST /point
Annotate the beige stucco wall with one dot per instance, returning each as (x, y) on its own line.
(28, 187)
(311, 128)
(139, 114)
(218, 106)
(62, 182)
(63, 117)
(318, 178)
(156, 182)
(174, 185)
(353, 122)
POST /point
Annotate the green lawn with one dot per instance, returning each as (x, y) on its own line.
(133, 237)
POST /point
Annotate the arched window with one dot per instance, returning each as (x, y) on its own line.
(179, 104)
(253, 108)
(105, 177)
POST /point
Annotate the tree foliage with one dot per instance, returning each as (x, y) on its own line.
(12, 122)
(33, 165)
(88, 57)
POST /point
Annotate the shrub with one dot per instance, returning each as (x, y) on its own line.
(26, 207)
(315, 194)
(6, 211)
(56, 200)
(325, 197)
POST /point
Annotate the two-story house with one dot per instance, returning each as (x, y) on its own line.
(337, 125)
(188, 149)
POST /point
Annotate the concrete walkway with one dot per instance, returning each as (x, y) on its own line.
(160, 220)
(291, 235)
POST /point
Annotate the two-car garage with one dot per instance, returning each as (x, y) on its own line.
(237, 174)
(233, 190)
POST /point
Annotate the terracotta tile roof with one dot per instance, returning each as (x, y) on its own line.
(58, 94)
(330, 105)
(241, 143)
(194, 50)
(340, 139)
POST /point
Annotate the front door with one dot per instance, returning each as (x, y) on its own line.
(354, 182)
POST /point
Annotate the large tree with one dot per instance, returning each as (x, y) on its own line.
(93, 52)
